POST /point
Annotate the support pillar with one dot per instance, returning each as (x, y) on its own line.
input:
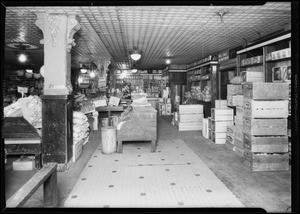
(57, 114)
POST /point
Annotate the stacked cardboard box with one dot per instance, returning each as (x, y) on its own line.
(232, 92)
(164, 106)
(265, 126)
(220, 119)
(238, 127)
(190, 117)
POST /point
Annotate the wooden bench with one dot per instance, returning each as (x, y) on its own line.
(46, 176)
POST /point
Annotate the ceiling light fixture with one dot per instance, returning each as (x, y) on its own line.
(83, 70)
(168, 61)
(135, 55)
(29, 70)
(22, 57)
(134, 70)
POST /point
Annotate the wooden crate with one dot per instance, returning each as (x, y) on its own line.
(238, 120)
(266, 91)
(239, 111)
(230, 130)
(190, 109)
(238, 143)
(239, 134)
(265, 161)
(224, 114)
(229, 145)
(218, 138)
(231, 100)
(230, 138)
(265, 108)
(189, 126)
(234, 89)
(270, 144)
(220, 103)
(205, 128)
(239, 100)
(239, 151)
(190, 117)
(253, 76)
(209, 134)
(265, 127)
(220, 126)
(209, 122)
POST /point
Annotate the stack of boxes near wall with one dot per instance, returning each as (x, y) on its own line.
(164, 106)
(234, 136)
(289, 128)
(190, 117)
(220, 119)
(265, 126)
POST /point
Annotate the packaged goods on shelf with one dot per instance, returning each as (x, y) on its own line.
(231, 100)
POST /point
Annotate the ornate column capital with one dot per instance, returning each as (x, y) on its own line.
(40, 23)
(72, 27)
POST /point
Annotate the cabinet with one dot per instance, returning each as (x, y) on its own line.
(203, 77)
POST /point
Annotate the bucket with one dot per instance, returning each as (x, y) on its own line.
(108, 139)
(114, 120)
(104, 122)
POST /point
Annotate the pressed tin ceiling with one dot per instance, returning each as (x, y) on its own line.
(183, 34)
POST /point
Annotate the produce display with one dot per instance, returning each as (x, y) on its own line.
(196, 95)
(80, 128)
(84, 104)
(237, 80)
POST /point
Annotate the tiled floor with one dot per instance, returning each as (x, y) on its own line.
(174, 176)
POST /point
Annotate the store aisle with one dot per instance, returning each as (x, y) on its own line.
(174, 176)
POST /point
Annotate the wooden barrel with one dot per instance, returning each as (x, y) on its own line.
(104, 122)
(108, 139)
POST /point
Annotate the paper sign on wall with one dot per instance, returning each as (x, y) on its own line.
(114, 101)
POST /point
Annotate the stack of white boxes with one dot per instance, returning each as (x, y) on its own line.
(165, 106)
(265, 126)
(220, 119)
(190, 117)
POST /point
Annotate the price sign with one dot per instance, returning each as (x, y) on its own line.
(22, 90)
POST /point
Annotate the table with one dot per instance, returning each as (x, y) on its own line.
(21, 138)
(141, 126)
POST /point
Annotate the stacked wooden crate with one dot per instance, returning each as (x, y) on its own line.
(232, 92)
(220, 119)
(238, 127)
(190, 117)
(205, 128)
(265, 126)
(230, 137)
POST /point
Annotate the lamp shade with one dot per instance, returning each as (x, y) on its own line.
(135, 55)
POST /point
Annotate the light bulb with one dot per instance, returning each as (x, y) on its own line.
(168, 61)
(82, 70)
(92, 74)
(134, 70)
(22, 58)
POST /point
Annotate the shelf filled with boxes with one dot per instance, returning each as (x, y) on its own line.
(190, 117)
(265, 112)
(220, 119)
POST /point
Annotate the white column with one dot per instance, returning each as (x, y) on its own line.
(58, 30)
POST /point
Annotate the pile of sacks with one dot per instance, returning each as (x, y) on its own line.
(80, 128)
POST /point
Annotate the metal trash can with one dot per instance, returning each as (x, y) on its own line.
(108, 139)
